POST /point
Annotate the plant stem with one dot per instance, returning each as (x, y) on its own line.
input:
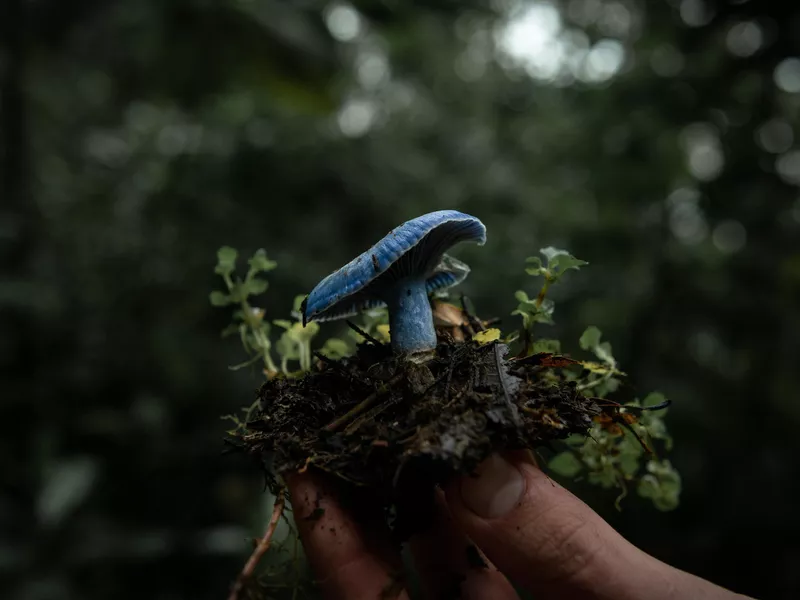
(543, 291)
(589, 385)
(539, 301)
(247, 311)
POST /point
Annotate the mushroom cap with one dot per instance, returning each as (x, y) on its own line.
(448, 273)
(414, 249)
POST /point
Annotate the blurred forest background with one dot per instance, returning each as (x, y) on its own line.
(655, 139)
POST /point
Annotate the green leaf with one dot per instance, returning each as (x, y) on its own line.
(536, 268)
(521, 296)
(260, 263)
(219, 299)
(566, 464)
(662, 485)
(485, 337)
(238, 291)
(550, 253)
(560, 261)
(382, 332)
(256, 286)
(286, 349)
(297, 304)
(565, 262)
(575, 440)
(545, 312)
(606, 478)
(629, 464)
(334, 348)
(305, 334)
(226, 260)
(597, 368)
(283, 323)
(590, 338)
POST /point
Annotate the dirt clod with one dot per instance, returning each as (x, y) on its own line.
(423, 423)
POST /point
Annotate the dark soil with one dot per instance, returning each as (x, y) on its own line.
(426, 422)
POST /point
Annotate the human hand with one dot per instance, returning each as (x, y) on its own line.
(529, 530)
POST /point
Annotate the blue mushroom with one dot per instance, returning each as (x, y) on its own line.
(399, 272)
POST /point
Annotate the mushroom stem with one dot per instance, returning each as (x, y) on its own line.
(410, 317)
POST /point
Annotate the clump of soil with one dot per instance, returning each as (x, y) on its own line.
(418, 424)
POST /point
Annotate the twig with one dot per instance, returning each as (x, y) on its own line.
(353, 427)
(498, 359)
(450, 369)
(363, 333)
(363, 405)
(260, 549)
(629, 427)
(502, 377)
(368, 416)
(471, 319)
(328, 361)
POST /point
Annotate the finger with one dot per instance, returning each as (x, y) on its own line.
(450, 566)
(543, 537)
(351, 559)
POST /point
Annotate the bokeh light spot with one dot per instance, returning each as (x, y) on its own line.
(775, 136)
(703, 151)
(372, 69)
(356, 117)
(695, 13)
(787, 75)
(604, 60)
(531, 39)
(686, 220)
(788, 167)
(744, 39)
(616, 20)
(343, 22)
(729, 236)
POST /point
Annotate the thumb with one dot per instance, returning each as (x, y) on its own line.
(544, 538)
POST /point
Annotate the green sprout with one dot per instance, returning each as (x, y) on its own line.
(248, 321)
(540, 309)
(612, 453)
(293, 347)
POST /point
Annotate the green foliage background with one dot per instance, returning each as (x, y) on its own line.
(139, 136)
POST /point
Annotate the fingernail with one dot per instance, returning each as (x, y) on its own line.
(495, 491)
